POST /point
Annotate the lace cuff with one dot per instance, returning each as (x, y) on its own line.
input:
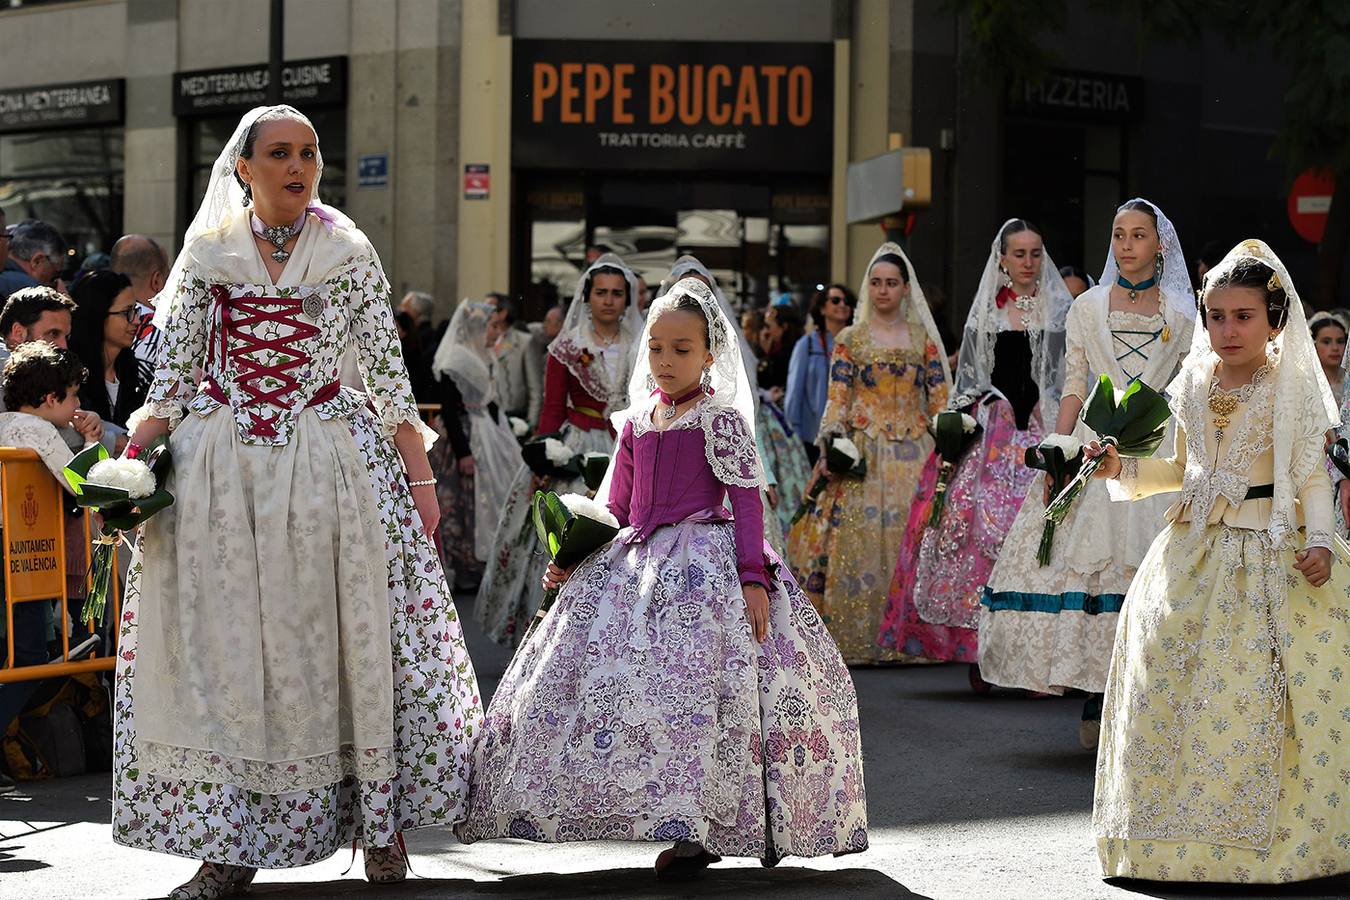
(172, 410)
(391, 417)
(1124, 486)
(731, 451)
(1320, 539)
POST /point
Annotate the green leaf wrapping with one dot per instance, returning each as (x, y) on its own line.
(951, 441)
(1134, 424)
(567, 537)
(1058, 471)
(593, 469)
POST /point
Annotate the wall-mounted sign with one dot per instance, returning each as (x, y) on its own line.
(477, 181)
(372, 170)
(667, 105)
(305, 83)
(61, 105)
(1095, 96)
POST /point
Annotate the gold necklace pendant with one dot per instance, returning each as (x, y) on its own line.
(1223, 406)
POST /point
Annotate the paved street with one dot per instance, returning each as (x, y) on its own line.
(969, 797)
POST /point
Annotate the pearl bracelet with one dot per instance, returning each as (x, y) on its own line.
(424, 483)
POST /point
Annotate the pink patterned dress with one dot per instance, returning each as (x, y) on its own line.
(933, 609)
(643, 709)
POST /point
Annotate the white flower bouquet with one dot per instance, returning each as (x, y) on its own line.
(843, 458)
(124, 492)
(953, 433)
(1059, 456)
(519, 427)
(571, 527)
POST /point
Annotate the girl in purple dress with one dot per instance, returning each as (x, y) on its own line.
(682, 689)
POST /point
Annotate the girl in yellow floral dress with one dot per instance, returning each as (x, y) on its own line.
(888, 378)
(1224, 736)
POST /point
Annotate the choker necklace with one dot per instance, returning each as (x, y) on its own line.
(278, 235)
(669, 412)
(1134, 289)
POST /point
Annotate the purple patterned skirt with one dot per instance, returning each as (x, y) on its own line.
(642, 709)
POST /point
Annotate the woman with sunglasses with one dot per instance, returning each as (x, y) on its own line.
(102, 330)
(808, 378)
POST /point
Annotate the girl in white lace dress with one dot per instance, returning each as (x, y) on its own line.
(1223, 754)
(1049, 628)
(292, 676)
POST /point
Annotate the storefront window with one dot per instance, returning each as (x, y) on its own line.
(207, 135)
(70, 179)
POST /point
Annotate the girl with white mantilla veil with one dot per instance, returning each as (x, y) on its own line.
(1221, 751)
(1009, 376)
(786, 465)
(585, 382)
(888, 378)
(464, 358)
(1050, 628)
(291, 674)
(681, 689)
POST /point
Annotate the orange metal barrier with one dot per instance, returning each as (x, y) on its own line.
(33, 519)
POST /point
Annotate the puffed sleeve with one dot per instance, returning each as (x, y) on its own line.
(553, 413)
(378, 353)
(1075, 360)
(1140, 478)
(182, 348)
(935, 380)
(621, 481)
(843, 372)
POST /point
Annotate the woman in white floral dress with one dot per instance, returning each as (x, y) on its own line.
(292, 676)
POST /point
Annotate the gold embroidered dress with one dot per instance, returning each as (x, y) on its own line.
(1223, 745)
(844, 552)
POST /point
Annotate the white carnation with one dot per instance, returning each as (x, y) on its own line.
(1067, 444)
(130, 475)
(587, 508)
(967, 424)
(519, 427)
(848, 448)
(557, 452)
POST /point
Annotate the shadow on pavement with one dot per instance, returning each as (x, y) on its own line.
(785, 882)
(1334, 887)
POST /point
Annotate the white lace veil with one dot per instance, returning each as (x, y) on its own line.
(463, 353)
(577, 335)
(915, 308)
(687, 264)
(1175, 286)
(224, 198)
(1044, 327)
(729, 386)
(1304, 407)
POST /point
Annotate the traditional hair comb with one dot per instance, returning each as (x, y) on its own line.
(1273, 284)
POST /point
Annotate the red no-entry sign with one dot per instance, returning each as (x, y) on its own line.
(1309, 203)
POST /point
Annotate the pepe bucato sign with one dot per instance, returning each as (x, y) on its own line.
(650, 105)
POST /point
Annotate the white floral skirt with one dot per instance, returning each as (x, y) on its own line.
(642, 709)
(214, 809)
(510, 593)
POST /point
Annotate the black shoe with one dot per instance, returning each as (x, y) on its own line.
(6, 783)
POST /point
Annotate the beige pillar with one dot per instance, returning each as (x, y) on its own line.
(484, 226)
(150, 148)
(869, 107)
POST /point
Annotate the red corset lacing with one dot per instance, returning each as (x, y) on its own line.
(234, 315)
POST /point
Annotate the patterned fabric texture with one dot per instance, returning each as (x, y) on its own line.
(843, 553)
(642, 709)
(511, 593)
(436, 712)
(1226, 713)
(933, 610)
(455, 495)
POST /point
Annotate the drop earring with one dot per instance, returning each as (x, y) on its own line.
(706, 382)
(1158, 268)
(651, 383)
(1007, 279)
(248, 195)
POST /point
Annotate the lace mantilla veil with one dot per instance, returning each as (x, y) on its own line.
(914, 308)
(1304, 407)
(730, 387)
(1175, 286)
(223, 202)
(463, 354)
(1044, 327)
(577, 334)
(687, 264)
